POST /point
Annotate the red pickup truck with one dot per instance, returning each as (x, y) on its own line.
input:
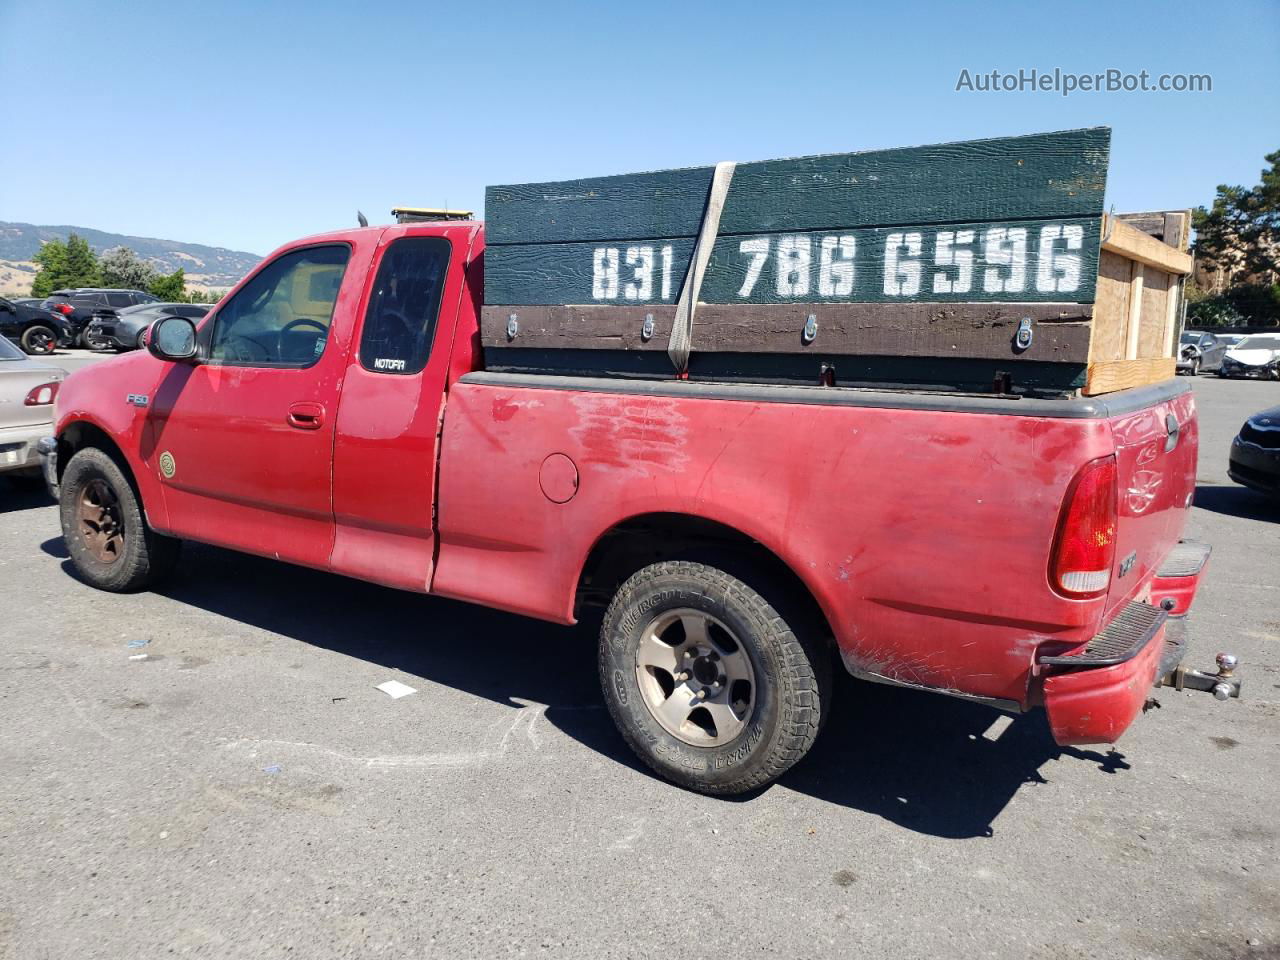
(741, 539)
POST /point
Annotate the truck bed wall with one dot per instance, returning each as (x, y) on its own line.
(922, 533)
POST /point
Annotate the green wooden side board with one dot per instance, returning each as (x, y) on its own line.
(1025, 260)
(1045, 175)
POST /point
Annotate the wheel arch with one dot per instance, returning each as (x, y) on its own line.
(77, 435)
(647, 538)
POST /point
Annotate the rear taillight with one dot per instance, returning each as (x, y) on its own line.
(42, 395)
(65, 309)
(1085, 547)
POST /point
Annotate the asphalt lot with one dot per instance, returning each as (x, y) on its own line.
(244, 791)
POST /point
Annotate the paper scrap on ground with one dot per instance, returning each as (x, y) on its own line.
(395, 689)
(137, 642)
(139, 656)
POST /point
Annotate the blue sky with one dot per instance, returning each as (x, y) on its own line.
(248, 124)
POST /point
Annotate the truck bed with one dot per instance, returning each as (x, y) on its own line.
(920, 523)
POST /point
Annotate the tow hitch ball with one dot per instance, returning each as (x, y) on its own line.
(1223, 685)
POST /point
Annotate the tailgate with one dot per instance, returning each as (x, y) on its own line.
(1156, 450)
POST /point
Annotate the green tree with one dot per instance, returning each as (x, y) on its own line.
(52, 259)
(82, 265)
(70, 264)
(122, 268)
(1239, 236)
(171, 288)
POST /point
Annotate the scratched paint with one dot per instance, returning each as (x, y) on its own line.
(629, 434)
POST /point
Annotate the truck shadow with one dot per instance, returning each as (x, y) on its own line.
(934, 764)
(1235, 501)
(22, 494)
(919, 760)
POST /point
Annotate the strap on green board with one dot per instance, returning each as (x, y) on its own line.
(681, 342)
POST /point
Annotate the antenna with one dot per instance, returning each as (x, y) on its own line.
(362, 219)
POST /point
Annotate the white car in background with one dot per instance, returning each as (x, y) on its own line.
(27, 390)
(1257, 355)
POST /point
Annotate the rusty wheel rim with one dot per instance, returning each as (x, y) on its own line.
(101, 527)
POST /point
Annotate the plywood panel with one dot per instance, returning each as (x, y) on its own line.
(1116, 375)
(1111, 308)
(1153, 326)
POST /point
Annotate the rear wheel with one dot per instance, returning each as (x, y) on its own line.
(706, 681)
(141, 341)
(105, 531)
(39, 340)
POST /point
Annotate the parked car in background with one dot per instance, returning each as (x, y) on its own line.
(78, 306)
(1257, 355)
(35, 330)
(1231, 339)
(27, 391)
(1255, 453)
(127, 328)
(1200, 351)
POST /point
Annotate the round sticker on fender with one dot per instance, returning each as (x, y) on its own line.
(167, 465)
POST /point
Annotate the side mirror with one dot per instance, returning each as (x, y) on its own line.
(172, 338)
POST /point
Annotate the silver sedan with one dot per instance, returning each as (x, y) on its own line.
(28, 388)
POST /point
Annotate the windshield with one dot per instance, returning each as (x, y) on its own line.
(1191, 338)
(1259, 343)
(9, 352)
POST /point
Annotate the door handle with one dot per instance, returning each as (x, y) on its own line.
(306, 416)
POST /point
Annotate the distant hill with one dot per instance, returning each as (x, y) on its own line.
(207, 267)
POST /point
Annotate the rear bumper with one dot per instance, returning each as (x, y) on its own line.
(96, 339)
(18, 446)
(1097, 703)
(47, 448)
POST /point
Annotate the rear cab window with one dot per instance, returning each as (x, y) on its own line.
(400, 322)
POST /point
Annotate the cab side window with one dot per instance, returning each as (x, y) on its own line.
(281, 317)
(401, 320)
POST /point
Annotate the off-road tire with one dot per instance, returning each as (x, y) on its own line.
(791, 688)
(35, 337)
(145, 557)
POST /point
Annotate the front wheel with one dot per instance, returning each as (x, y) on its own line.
(706, 681)
(105, 531)
(39, 340)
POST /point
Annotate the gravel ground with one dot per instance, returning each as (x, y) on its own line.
(244, 791)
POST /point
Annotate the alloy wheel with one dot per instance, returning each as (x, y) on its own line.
(695, 677)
